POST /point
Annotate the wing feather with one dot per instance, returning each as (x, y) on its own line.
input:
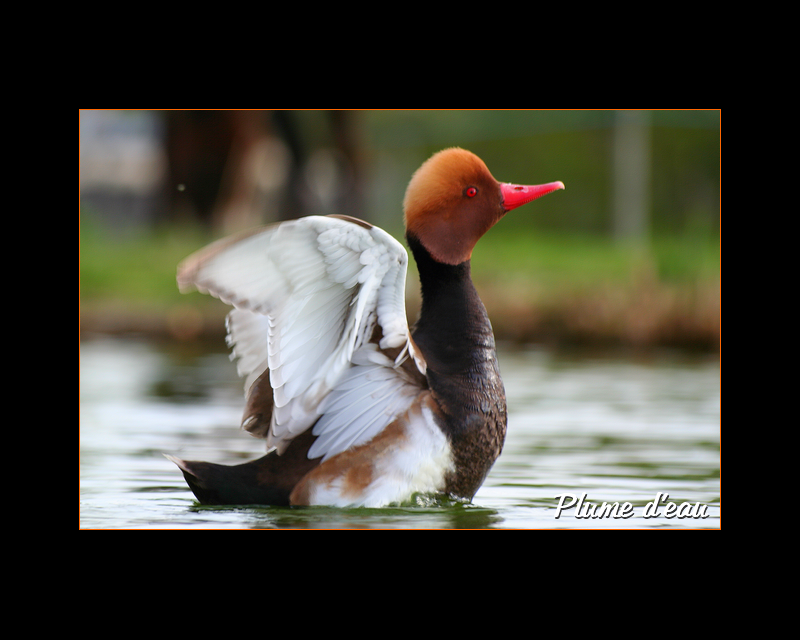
(308, 297)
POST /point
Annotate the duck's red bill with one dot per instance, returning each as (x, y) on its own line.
(515, 195)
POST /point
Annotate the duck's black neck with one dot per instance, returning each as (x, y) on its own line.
(455, 337)
(453, 330)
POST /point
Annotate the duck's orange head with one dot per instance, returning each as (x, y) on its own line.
(452, 200)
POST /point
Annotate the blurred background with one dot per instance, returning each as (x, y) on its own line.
(628, 254)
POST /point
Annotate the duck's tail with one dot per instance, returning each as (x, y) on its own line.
(269, 480)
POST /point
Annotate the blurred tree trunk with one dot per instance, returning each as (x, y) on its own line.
(233, 169)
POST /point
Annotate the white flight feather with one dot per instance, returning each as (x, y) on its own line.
(307, 295)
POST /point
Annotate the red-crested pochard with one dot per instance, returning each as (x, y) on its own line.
(357, 408)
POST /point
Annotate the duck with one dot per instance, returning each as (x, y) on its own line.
(358, 407)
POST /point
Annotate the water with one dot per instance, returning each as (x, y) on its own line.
(615, 429)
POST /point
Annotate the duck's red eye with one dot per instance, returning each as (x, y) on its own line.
(471, 192)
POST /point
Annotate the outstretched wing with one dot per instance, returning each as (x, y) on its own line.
(319, 327)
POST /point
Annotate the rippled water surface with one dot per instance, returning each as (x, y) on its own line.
(612, 429)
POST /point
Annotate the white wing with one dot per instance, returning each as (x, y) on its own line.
(308, 296)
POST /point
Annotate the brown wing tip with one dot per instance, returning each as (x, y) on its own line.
(358, 221)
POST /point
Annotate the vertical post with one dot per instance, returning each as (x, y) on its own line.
(632, 177)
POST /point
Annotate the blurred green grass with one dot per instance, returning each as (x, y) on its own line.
(137, 268)
(581, 281)
(140, 268)
(569, 261)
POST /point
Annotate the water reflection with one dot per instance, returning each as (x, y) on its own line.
(615, 429)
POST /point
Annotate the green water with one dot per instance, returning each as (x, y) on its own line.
(608, 428)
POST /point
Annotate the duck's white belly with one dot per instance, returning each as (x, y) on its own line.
(410, 456)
